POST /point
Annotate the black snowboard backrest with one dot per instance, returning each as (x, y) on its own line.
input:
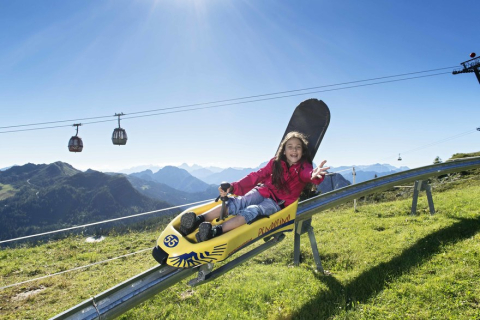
(311, 118)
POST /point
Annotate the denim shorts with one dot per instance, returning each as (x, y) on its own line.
(252, 205)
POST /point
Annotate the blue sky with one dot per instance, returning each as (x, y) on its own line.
(66, 60)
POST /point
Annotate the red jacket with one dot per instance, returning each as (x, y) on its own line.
(296, 177)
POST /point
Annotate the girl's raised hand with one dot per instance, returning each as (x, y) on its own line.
(320, 171)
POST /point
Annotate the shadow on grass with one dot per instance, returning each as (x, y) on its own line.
(340, 297)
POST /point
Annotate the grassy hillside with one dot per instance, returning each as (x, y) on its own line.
(384, 264)
(6, 191)
(39, 198)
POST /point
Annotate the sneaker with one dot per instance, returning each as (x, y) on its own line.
(188, 223)
(204, 232)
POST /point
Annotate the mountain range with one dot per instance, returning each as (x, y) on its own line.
(377, 167)
(36, 198)
(216, 175)
(174, 177)
(367, 172)
(164, 192)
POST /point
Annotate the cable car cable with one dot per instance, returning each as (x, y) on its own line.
(236, 103)
(219, 101)
(281, 97)
(458, 135)
(440, 141)
(40, 123)
(289, 91)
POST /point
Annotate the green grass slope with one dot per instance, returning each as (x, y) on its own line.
(7, 191)
(384, 264)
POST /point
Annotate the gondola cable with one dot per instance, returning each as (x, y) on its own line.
(227, 100)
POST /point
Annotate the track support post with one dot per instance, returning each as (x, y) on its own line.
(203, 272)
(421, 185)
(302, 227)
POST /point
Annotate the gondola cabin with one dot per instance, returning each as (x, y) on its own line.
(75, 144)
(119, 137)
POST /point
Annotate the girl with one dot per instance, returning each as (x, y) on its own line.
(263, 192)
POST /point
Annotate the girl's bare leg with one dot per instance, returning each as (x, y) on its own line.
(233, 223)
(213, 213)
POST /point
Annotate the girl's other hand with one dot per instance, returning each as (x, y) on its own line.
(320, 171)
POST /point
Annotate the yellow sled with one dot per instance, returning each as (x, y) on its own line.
(312, 118)
(185, 252)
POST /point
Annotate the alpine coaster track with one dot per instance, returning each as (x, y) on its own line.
(119, 299)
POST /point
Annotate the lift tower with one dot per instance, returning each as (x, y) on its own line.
(471, 65)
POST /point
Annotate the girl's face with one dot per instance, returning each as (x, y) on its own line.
(293, 151)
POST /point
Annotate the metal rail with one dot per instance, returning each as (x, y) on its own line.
(124, 296)
(328, 200)
(132, 292)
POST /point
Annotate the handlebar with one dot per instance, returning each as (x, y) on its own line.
(224, 186)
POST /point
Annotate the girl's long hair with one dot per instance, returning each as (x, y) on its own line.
(277, 174)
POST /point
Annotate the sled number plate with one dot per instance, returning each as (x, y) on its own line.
(170, 241)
